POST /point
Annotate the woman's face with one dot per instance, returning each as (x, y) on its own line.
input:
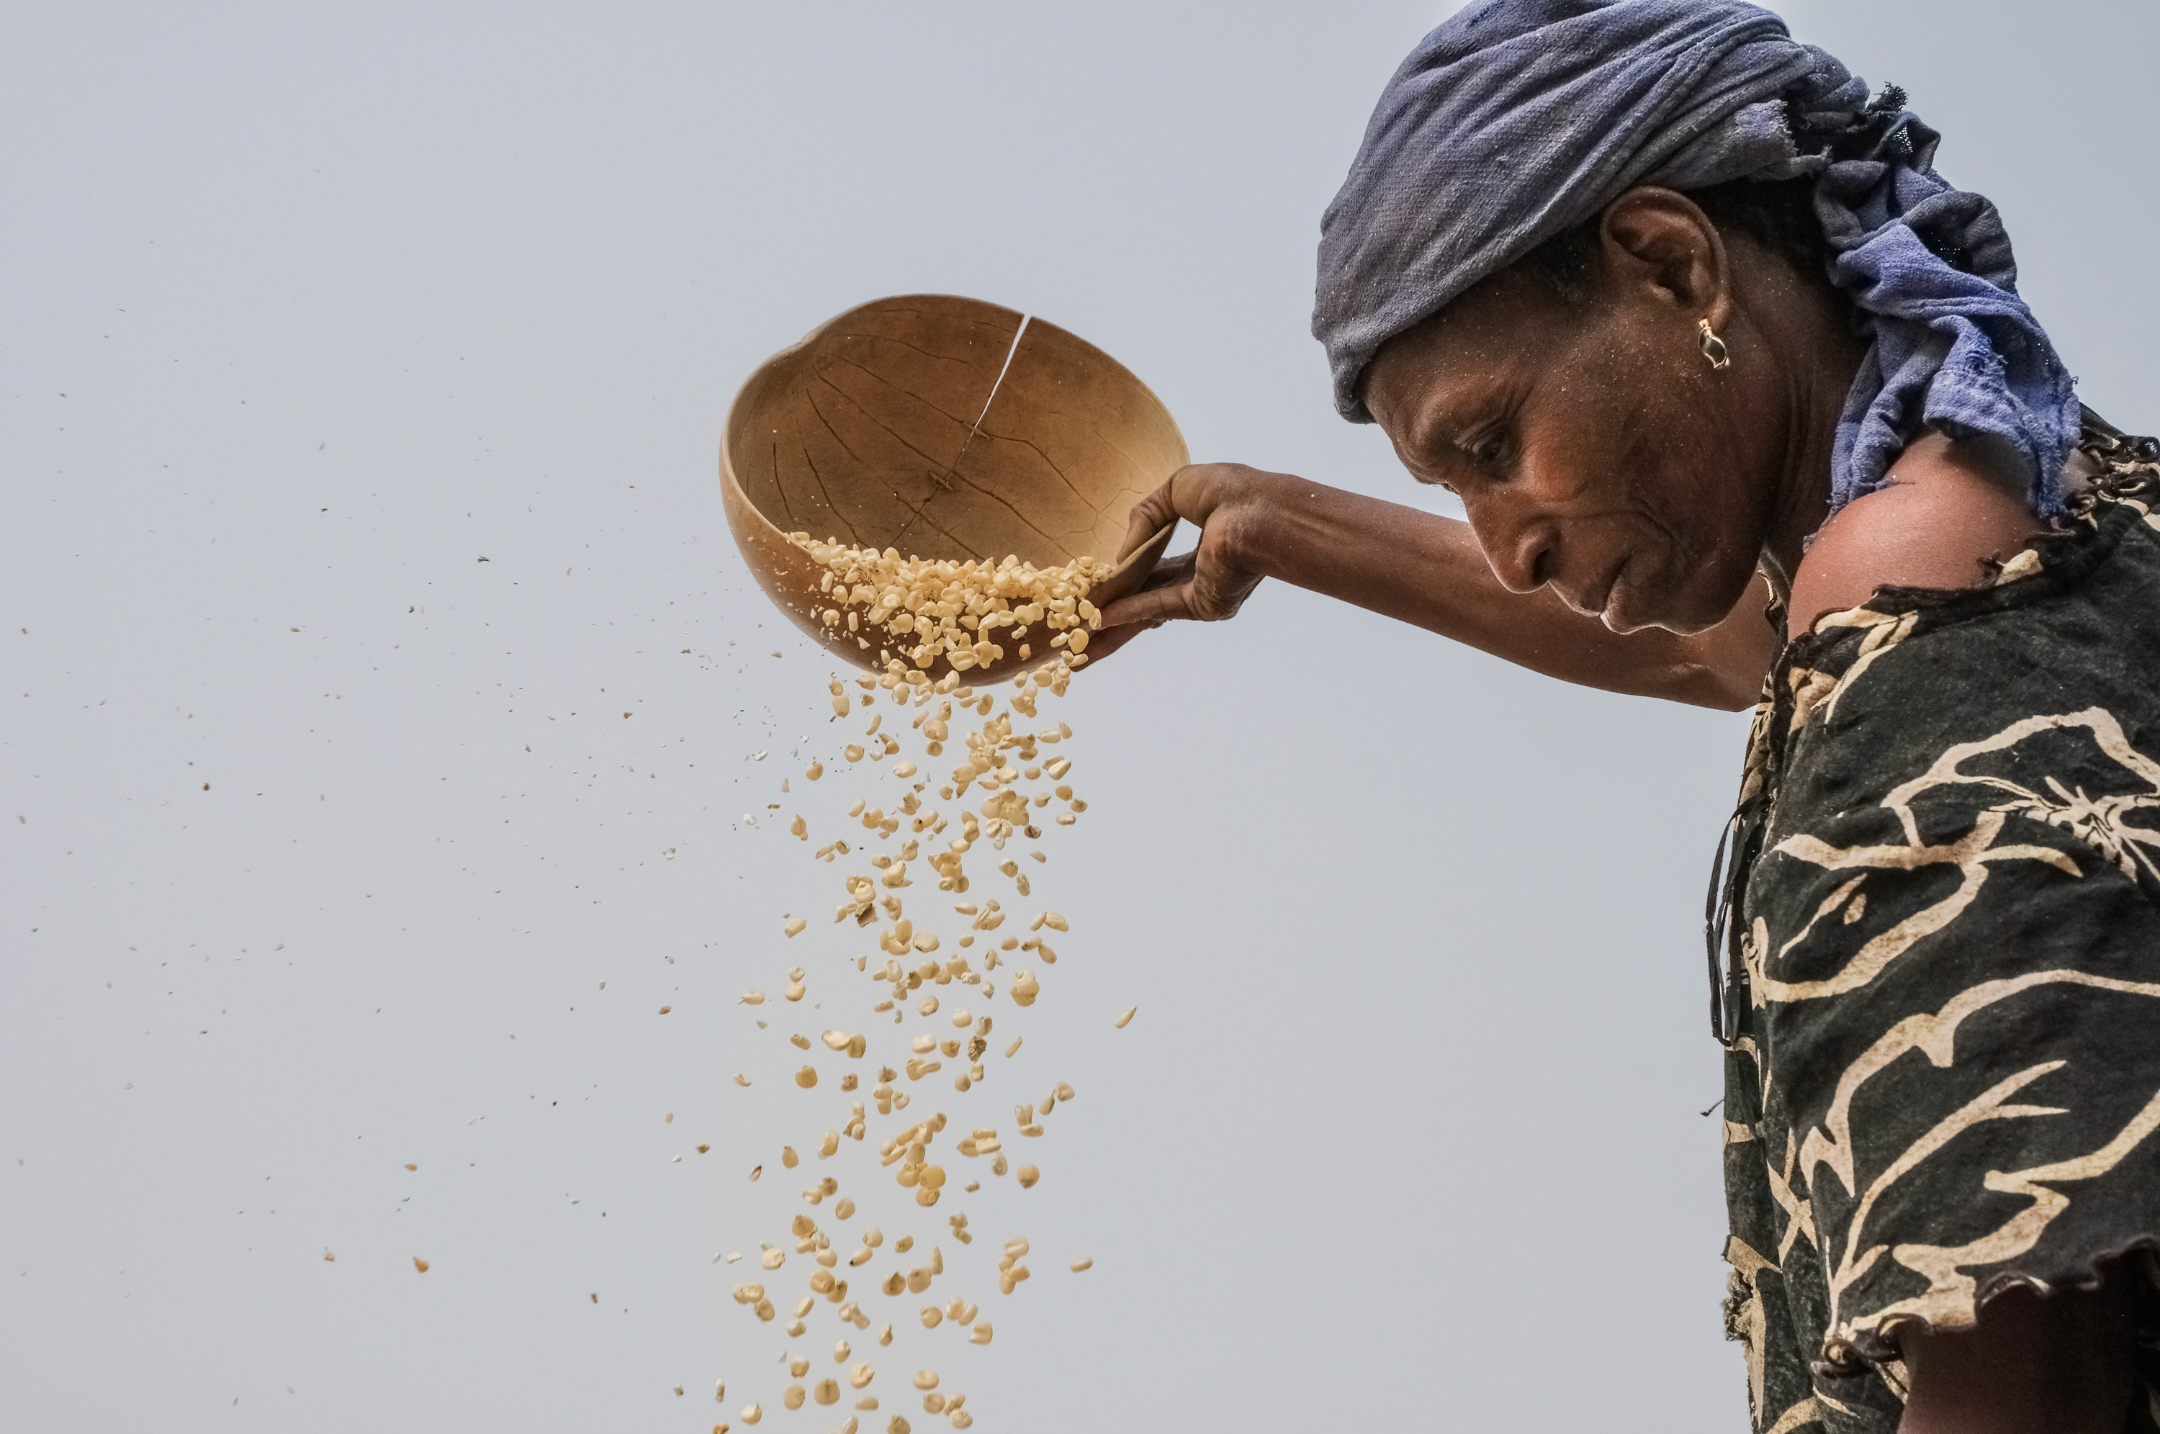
(1592, 446)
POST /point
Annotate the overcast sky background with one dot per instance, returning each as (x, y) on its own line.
(308, 308)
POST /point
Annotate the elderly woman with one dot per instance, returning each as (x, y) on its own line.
(1733, 385)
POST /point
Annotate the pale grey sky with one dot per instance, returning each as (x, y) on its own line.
(308, 308)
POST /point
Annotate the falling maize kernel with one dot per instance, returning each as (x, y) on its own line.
(1125, 1016)
(795, 926)
(998, 606)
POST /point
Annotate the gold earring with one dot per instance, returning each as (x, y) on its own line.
(1713, 348)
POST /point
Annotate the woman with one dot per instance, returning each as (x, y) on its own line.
(1732, 384)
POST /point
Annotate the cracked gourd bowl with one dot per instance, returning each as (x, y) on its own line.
(942, 427)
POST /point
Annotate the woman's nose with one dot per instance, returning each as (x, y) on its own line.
(1519, 550)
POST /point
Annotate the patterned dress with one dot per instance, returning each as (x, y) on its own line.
(1940, 942)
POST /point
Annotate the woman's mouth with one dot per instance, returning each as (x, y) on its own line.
(1590, 599)
(1612, 607)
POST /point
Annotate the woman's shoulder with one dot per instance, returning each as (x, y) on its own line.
(1950, 514)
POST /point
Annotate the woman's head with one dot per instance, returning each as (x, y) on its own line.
(1485, 193)
(1568, 401)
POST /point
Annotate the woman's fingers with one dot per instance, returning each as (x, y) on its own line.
(1190, 588)
(1147, 519)
(1153, 603)
(1110, 639)
(1192, 494)
(1172, 571)
(1133, 570)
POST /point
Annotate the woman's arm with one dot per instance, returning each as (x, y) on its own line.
(1419, 568)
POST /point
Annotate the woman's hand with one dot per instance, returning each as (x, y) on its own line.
(1228, 503)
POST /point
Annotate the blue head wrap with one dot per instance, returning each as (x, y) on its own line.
(1519, 119)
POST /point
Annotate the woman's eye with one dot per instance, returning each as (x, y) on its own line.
(1487, 449)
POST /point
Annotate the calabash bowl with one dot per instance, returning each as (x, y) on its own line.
(943, 427)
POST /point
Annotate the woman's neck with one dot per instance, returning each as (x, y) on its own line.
(1821, 355)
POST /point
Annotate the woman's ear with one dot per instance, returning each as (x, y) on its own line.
(1658, 243)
